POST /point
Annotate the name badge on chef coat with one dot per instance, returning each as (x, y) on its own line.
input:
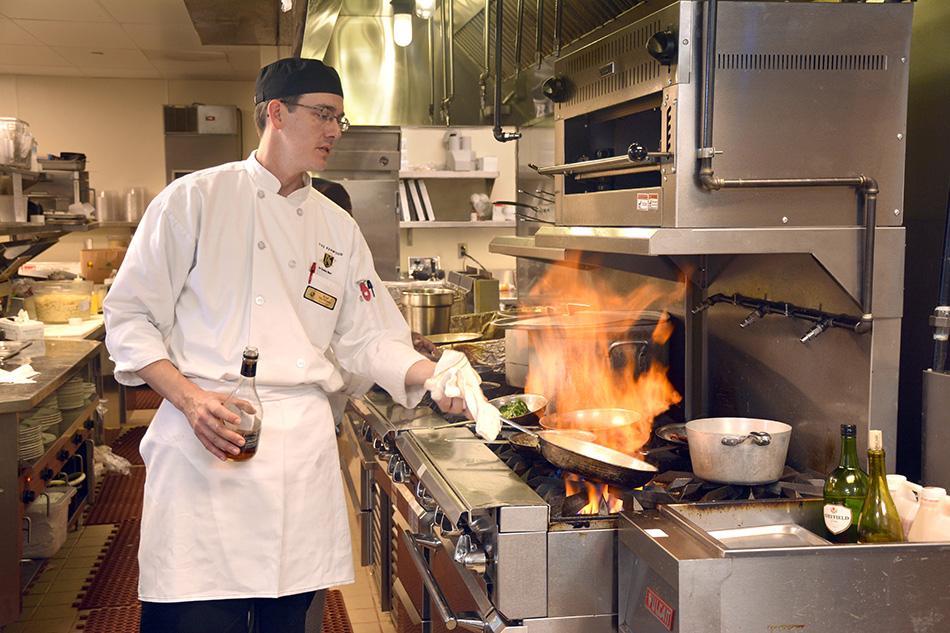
(319, 297)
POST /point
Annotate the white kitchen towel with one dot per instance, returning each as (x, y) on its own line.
(455, 378)
(20, 375)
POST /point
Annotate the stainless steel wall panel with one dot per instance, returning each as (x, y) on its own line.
(521, 571)
(936, 429)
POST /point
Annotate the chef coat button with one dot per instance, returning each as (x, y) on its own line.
(261, 245)
(259, 300)
(260, 193)
(300, 363)
(299, 211)
(292, 264)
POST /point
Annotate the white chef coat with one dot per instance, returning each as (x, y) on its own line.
(221, 261)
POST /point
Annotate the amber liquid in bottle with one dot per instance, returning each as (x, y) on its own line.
(245, 402)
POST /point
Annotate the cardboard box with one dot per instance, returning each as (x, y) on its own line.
(96, 264)
(29, 331)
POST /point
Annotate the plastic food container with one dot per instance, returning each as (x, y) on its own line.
(59, 301)
(16, 143)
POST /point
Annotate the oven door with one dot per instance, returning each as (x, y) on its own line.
(358, 465)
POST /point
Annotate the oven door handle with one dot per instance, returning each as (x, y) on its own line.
(636, 155)
(467, 620)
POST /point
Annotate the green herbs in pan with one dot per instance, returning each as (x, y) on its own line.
(514, 409)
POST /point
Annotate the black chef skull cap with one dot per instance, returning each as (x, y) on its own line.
(295, 76)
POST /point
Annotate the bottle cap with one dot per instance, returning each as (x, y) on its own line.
(875, 441)
(849, 430)
(895, 481)
(933, 493)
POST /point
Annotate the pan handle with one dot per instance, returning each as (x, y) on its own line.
(759, 438)
(468, 620)
(641, 358)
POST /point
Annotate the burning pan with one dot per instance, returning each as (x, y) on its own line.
(590, 460)
(743, 451)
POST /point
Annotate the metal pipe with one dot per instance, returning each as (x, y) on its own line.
(431, 27)
(500, 135)
(518, 37)
(448, 58)
(763, 307)
(636, 155)
(558, 9)
(539, 32)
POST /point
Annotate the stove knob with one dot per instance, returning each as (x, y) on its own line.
(637, 153)
(29, 496)
(78, 438)
(662, 47)
(555, 89)
(89, 424)
(46, 474)
(62, 455)
(401, 472)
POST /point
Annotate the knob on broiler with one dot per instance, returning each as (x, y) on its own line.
(662, 47)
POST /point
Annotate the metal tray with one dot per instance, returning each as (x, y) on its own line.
(767, 536)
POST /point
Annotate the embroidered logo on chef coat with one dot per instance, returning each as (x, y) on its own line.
(366, 290)
(329, 256)
(319, 297)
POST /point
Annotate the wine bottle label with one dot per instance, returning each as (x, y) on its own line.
(251, 440)
(837, 518)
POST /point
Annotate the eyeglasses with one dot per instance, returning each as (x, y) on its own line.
(324, 113)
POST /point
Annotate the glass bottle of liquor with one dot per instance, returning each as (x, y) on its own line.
(245, 402)
(845, 491)
(879, 521)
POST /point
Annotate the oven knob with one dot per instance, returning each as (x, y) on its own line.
(637, 153)
(662, 47)
(401, 472)
(555, 89)
(29, 497)
(78, 438)
(62, 455)
(46, 474)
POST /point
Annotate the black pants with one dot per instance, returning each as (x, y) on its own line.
(242, 615)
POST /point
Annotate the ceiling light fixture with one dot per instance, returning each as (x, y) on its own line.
(425, 9)
(402, 21)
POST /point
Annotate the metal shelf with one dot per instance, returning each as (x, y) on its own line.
(457, 225)
(421, 174)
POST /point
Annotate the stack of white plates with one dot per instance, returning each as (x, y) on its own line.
(71, 394)
(50, 402)
(29, 442)
(88, 389)
(44, 418)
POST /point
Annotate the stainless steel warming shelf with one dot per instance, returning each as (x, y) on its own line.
(680, 572)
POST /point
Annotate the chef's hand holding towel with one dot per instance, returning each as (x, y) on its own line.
(455, 378)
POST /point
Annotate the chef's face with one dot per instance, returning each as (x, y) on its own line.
(314, 122)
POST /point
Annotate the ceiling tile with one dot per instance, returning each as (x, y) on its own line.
(103, 57)
(124, 73)
(63, 33)
(155, 36)
(44, 71)
(10, 33)
(31, 56)
(148, 12)
(79, 10)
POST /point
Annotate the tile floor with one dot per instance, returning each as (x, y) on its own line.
(48, 604)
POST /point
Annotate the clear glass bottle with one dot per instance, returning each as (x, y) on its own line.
(879, 521)
(245, 402)
(845, 491)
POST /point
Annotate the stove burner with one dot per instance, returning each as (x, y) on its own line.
(685, 487)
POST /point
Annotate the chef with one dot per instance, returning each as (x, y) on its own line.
(249, 254)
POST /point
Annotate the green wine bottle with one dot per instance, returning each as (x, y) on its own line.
(879, 521)
(845, 491)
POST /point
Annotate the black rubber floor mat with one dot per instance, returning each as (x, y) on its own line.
(116, 578)
(119, 498)
(127, 445)
(113, 620)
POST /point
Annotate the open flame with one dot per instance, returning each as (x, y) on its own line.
(573, 368)
(597, 495)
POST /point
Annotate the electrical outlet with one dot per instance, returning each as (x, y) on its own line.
(463, 250)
